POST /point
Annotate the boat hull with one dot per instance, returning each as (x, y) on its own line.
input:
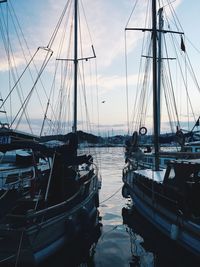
(35, 243)
(183, 231)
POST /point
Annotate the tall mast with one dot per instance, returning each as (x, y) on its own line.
(161, 23)
(74, 127)
(155, 92)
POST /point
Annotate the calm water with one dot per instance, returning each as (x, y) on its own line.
(126, 239)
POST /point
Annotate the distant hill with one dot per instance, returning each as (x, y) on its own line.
(82, 136)
(90, 138)
(119, 139)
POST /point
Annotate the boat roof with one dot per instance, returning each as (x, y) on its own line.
(157, 176)
(194, 143)
(18, 134)
(185, 161)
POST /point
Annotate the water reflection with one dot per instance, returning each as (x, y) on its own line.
(151, 247)
(113, 247)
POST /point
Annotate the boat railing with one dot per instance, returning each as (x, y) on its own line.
(158, 195)
(34, 215)
(88, 181)
(16, 179)
(85, 185)
(181, 154)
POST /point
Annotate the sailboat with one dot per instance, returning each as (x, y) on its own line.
(58, 205)
(17, 170)
(167, 197)
(172, 96)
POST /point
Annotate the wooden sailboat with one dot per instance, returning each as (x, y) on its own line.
(60, 204)
(167, 197)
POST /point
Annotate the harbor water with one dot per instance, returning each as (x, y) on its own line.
(124, 238)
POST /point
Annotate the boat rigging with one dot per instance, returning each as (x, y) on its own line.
(53, 206)
(167, 197)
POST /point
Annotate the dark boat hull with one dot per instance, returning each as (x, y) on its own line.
(183, 231)
(50, 229)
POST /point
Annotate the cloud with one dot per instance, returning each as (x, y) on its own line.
(106, 21)
(112, 82)
(4, 65)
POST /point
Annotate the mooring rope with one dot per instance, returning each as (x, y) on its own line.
(4, 194)
(19, 248)
(6, 259)
(111, 196)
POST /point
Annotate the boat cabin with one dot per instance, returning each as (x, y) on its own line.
(182, 182)
(180, 173)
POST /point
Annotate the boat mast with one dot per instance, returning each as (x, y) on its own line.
(74, 127)
(161, 23)
(155, 91)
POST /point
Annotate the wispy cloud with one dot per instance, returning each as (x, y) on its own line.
(113, 82)
(106, 21)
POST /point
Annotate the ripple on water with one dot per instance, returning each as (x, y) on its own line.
(116, 248)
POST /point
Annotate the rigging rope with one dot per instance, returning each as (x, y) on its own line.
(127, 95)
(136, 1)
(52, 39)
(31, 91)
(18, 26)
(20, 35)
(19, 249)
(142, 102)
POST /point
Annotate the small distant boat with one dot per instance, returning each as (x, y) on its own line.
(167, 196)
(56, 189)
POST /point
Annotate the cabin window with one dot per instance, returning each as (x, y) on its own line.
(165, 161)
(171, 174)
(11, 178)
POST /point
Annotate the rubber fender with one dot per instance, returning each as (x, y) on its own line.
(96, 200)
(125, 192)
(134, 139)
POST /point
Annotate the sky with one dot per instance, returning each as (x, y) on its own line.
(107, 20)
